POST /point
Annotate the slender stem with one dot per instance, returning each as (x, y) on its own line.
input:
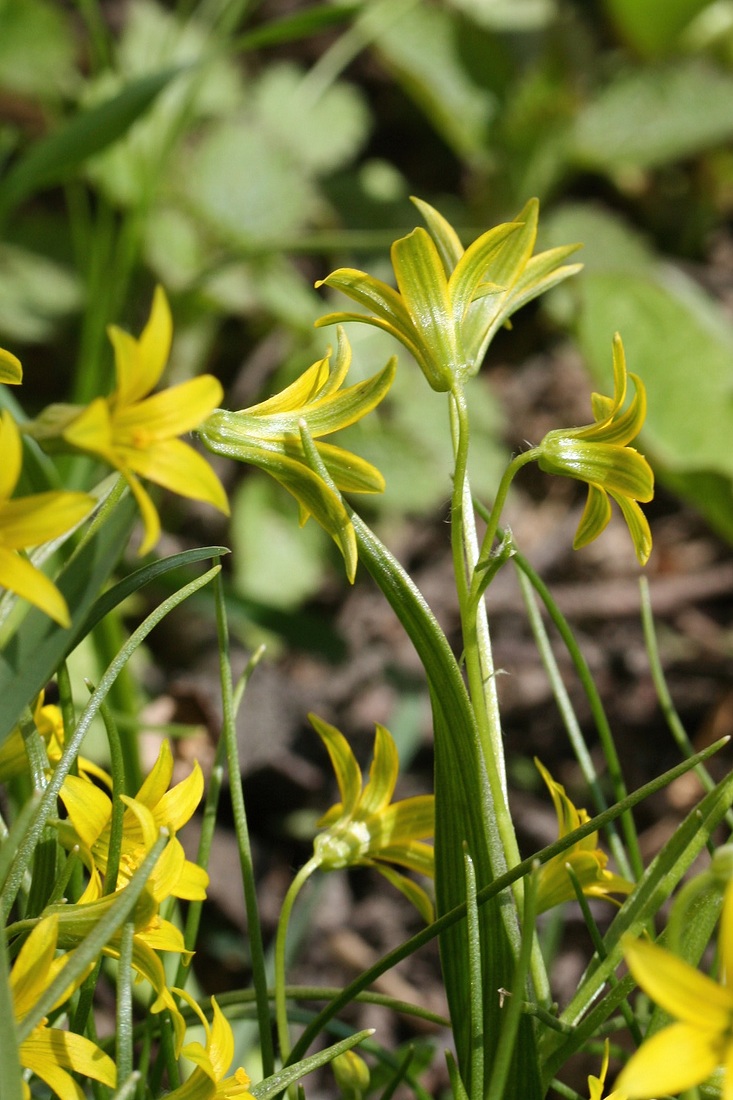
(229, 732)
(671, 717)
(480, 671)
(281, 1005)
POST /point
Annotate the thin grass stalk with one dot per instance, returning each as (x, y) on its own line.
(669, 711)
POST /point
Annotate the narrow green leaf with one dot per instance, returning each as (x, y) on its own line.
(11, 1082)
(54, 159)
(463, 815)
(114, 596)
(278, 1082)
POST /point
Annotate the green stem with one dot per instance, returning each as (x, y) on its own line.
(281, 1005)
(671, 717)
(229, 732)
(478, 655)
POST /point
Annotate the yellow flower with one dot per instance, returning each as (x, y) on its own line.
(89, 812)
(599, 454)
(49, 1052)
(687, 1052)
(212, 1060)
(596, 1084)
(587, 861)
(267, 435)
(151, 934)
(135, 432)
(366, 828)
(449, 302)
(30, 521)
(11, 371)
(50, 724)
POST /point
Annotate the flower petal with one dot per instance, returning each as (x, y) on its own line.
(382, 773)
(88, 808)
(679, 988)
(148, 511)
(91, 431)
(11, 449)
(49, 1048)
(410, 889)
(343, 761)
(171, 412)
(424, 289)
(11, 370)
(176, 466)
(675, 1059)
(595, 518)
(638, 526)
(155, 346)
(22, 578)
(32, 520)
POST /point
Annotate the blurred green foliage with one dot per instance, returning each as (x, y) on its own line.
(236, 152)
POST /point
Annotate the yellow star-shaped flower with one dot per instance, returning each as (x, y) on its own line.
(587, 860)
(366, 828)
(449, 302)
(135, 430)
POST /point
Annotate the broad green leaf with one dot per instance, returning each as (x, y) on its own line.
(508, 15)
(422, 50)
(321, 130)
(653, 25)
(37, 48)
(269, 563)
(56, 157)
(241, 205)
(35, 294)
(650, 116)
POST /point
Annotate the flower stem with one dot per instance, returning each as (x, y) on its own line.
(480, 672)
(281, 1007)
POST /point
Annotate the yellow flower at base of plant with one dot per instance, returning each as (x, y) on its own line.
(151, 934)
(212, 1060)
(30, 521)
(450, 301)
(89, 821)
(268, 435)
(136, 433)
(588, 861)
(50, 724)
(599, 455)
(686, 1053)
(366, 828)
(50, 1053)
